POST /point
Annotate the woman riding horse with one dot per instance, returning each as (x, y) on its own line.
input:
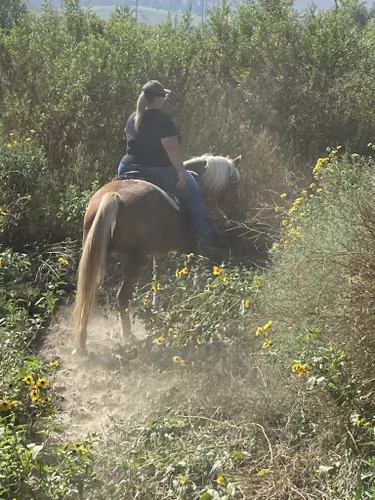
(137, 219)
(153, 149)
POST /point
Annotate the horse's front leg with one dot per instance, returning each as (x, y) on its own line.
(132, 271)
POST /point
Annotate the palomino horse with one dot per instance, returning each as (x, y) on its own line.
(137, 219)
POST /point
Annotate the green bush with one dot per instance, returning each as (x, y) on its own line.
(196, 303)
(32, 465)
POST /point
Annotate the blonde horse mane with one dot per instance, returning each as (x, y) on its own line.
(218, 173)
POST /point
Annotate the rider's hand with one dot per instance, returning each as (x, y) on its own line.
(182, 179)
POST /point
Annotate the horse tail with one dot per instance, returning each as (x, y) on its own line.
(91, 268)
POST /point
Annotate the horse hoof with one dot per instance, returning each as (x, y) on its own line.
(80, 352)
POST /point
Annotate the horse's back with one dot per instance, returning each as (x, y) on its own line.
(145, 219)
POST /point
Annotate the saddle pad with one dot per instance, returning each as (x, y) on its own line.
(155, 182)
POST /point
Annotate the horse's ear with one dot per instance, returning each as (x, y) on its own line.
(237, 160)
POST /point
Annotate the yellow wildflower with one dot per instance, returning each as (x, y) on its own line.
(287, 244)
(304, 191)
(46, 400)
(28, 139)
(42, 382)
(6, 404)
(313, 185)
(319, 190)
(63, 261)
(11, 134)
(300, 369)
(295, 205)
(274, 247)
(357, 421)
(29, 379)
(9, 145)
(267, 344)
(267, 325)
(81, 450)
(216, 270)
(225, 279)
(32, 131)
(259, 331)
(246, 303)
(295, 232)
(257, 281)
(159, 340)
(283, 195)
(190, 255)
(178, 360)
(220, 479)
(183, 479)
(319, 164)
(285, 222)
(145, 301)
(54, 364)
(199, 339)
(338, 148)
(182, 272)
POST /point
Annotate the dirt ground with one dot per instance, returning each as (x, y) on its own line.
(103, 386)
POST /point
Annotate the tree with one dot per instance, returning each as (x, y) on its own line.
(10, 10)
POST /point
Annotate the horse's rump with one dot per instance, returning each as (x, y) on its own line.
(147, 220)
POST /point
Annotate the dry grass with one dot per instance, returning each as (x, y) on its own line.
(237, 396)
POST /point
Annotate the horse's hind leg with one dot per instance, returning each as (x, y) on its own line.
(132, 270)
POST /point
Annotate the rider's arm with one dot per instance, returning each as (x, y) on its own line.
(172, 147)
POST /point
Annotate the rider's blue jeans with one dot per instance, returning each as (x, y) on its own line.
(190, 194)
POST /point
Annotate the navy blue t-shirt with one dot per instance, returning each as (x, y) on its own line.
(144, 146)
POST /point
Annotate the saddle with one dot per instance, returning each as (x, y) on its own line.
(153, 178)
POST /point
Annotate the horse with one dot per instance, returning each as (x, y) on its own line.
(137, 219)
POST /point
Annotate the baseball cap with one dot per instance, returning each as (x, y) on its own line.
(155, 87)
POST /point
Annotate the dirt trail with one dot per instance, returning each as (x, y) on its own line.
(95, 389)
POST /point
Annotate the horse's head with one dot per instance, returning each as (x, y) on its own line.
(219, 180)
(228, 198)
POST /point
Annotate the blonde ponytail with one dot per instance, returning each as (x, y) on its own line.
(140, 111)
